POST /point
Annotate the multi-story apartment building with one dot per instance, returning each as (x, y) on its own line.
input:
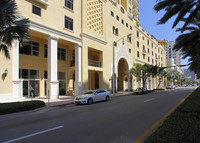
(71, 48)
(170, 53)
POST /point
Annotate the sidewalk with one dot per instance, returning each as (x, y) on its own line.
(51, 104)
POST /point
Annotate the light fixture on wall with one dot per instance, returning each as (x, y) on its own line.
(6, 72)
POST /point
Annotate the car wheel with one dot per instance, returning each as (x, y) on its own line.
(107, 98)
(90, 101)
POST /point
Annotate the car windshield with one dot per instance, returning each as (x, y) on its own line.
(89, 92)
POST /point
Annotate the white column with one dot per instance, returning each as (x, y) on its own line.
(147, 82)
(16, 91)
(78, 70)
(52, 84)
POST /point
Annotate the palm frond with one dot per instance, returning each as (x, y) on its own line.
(4, 49)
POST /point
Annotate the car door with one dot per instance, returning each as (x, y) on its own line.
(103, 94)
(96, 96)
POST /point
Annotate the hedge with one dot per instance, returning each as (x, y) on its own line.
(183, 125)
(6, 108)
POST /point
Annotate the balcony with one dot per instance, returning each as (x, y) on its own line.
(135, 12)
(135, 3)
(44, 2)
(144, 52)
(94, 63)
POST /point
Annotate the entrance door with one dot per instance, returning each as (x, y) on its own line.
(25, 88)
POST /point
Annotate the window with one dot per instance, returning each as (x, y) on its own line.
(32, 48)
(138, 54)
(129, 39)
(138, 44)
(152, 45)
(148, 50)
(36, 10)
(131, 28)
(115, 30)
(143, 37)
(148, 42)
(62, 83)
(129, 1)
(129, 10)
(68, 23)
(45, 50)
(126, 24)
(129, 50)
(148, 59)
(122, 21)
(117, 17)
(138, 34)
(29, 74)
(112, 13)
(143, 47)
(69, 4)
(152, 53)
(61, 54)
(152, 61)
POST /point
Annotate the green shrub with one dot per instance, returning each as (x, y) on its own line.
(6, 108)
(159, 89)
(183, 125)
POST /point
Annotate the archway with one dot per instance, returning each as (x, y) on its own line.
(123, 74)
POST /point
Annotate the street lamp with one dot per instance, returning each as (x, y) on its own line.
(115, 44)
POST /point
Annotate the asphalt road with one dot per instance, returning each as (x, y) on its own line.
(121, 120)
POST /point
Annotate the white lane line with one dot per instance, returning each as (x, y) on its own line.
(34, 134)
(149, 100)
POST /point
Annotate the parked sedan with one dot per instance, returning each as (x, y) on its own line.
(93, 96)
(141, 91)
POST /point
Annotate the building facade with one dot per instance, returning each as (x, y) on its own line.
(71, 49)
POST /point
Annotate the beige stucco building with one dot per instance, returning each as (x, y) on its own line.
(71, 49)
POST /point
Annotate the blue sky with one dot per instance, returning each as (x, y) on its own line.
(149, 19)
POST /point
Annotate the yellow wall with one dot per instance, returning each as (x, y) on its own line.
(5, 82)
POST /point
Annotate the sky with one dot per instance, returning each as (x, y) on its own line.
(149, 19)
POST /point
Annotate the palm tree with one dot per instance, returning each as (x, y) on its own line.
(11, 26)
(180, 8)
(141, 72)
(189, 43)
(161, 75)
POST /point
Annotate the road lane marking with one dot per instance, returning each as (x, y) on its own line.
(34, 134)
(156, 124)
(149, 100)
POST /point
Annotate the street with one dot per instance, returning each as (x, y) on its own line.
(121, 120)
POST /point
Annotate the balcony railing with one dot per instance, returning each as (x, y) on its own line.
(94, 63)
(144, 52)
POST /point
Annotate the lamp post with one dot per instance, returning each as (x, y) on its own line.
(114, 44)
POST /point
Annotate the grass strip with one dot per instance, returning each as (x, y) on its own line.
(183, 125)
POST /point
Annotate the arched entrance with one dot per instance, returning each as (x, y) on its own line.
(123, 74)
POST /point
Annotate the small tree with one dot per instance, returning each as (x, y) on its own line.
(161, 75)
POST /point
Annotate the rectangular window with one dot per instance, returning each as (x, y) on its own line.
(45, 50)
(138, 44)
(122, 21)
(36, 10)
(138, 54)
(31, 48)
(148, 59)
(129, 39)
(138, 34)
(131, 28)
(129, 10)
(61, 54)
(69, 23)
(148, 42)
(29, 74)
(126, 24)
(69, 4)
(148, 50)
(152, 61)
(117, 17)
(112, 13)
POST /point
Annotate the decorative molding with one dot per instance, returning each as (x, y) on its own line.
(139, 62)
(52, 32)
(94, 38)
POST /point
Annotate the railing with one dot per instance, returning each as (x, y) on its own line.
(144, 51)
(94, 63)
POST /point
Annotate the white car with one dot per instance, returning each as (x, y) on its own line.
(93, 96)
